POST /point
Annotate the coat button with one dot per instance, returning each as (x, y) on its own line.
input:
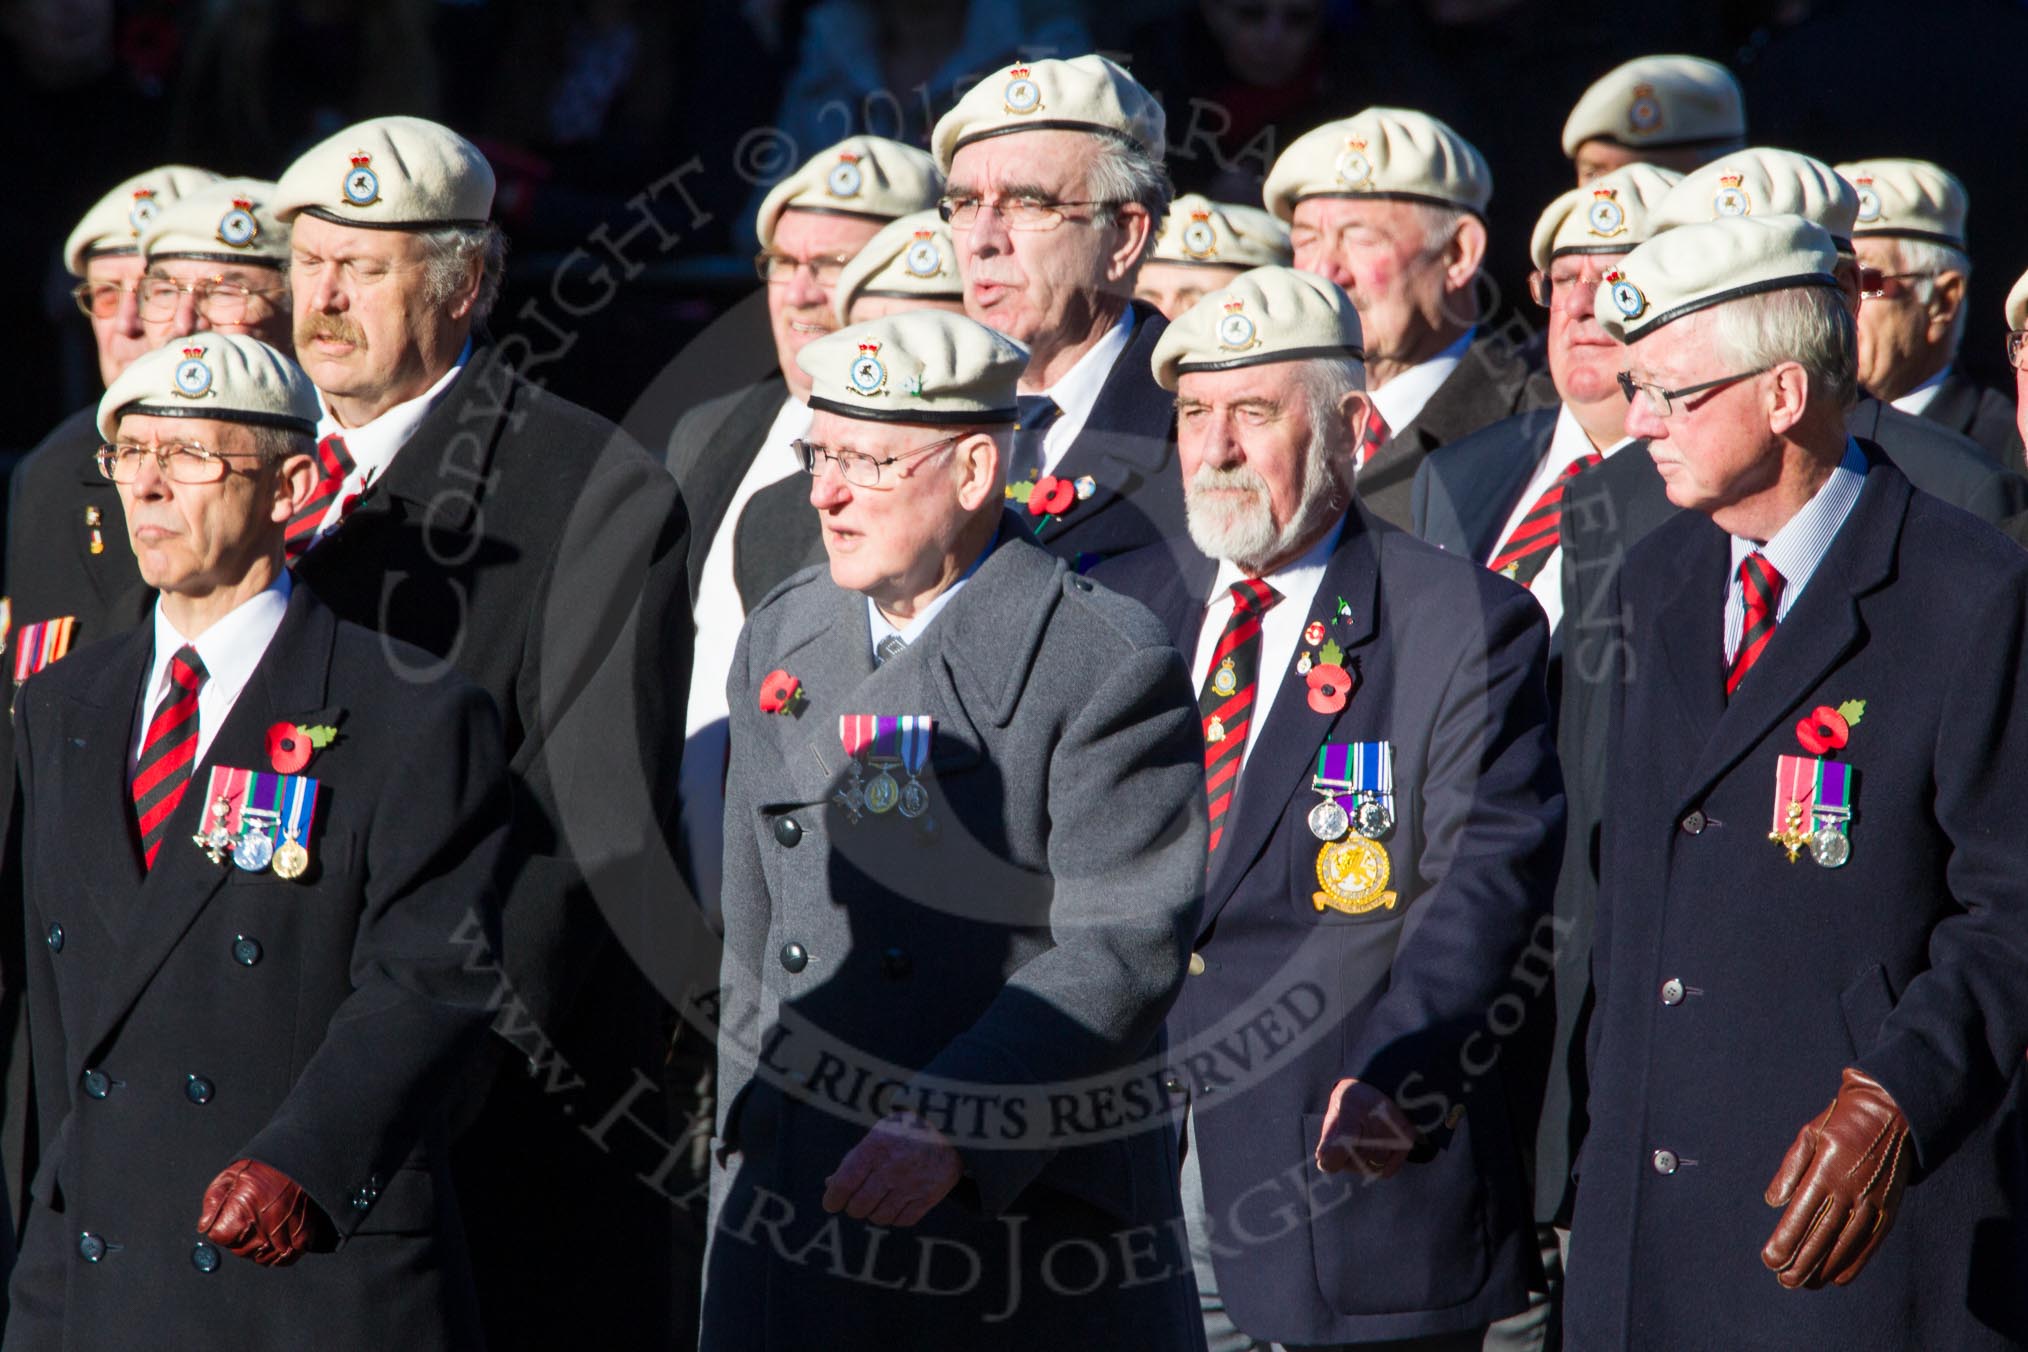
(54, 938)
(90, 1247)
(204, 1257)
(361, 1199)
(896, 964)
(1693, 824)
(788, 832)
(1672, 992)
(1665, 1161)
(245, 951)
(197, 1089)
(795, 957)
(97, 1083)
(1173, 1085)
(1197, 964)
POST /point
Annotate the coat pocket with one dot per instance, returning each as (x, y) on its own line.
(1866, 1003)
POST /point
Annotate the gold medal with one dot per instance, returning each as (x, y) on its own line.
(290, 861)
(1354, 873)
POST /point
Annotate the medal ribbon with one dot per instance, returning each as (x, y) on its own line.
(1796, 781)
(299, 799)
(1333, 766)
(855, 732)
(1373, 769)
(263, 794)
(231, 785)
(916, 732)
(1833, 790)
(886, 738)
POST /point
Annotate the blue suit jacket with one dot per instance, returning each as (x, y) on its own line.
(1422, 999)
(1464, 492)
(1906, 962)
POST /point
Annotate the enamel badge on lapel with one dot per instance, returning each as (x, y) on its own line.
(884, 743)
(94, 519)
(1356, 783)
(1814, 794)
(258, 820)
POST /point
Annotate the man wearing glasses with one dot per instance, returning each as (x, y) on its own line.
(1910, 242)
(245, 1021)
(964, 838)
(217, 259)
(1804, 1058)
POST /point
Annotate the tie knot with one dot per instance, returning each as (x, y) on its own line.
(1034, 410)
(1250, 595)
(186, 668)
(1581, 464)
(1758, 579)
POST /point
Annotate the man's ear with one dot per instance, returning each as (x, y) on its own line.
(979, 473)
(1788, 397)
(1137, 230)
(295, 481)
(1465, 254)
(1946, 299)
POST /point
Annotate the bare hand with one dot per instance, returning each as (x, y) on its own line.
(901, 1169)
(1363, 1130)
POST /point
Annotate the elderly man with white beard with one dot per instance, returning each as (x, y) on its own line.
(1386, 819)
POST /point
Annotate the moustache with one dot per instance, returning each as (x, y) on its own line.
(330, 326)
(1240, 477)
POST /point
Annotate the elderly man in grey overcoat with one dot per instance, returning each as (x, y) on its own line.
(964, 833)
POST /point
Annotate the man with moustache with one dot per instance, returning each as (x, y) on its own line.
(1202, 246)
(1675, 112)
(532, 546)
(993, 939)
(1389, 205)
(1910, 242)
(1805, 1058)
(1385, 817)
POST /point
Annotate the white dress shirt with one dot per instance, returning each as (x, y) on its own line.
(1918, 400)
(1079, 390)
(718, 615)
(1798, 547)
(230, 650)
(1280, 629)
(1567, 445)
(1402, 398)
(374, 445)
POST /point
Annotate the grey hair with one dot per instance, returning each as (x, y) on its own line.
(1325, 382)
(1122, 172)
(451, 253)
(1438, 224)
(275, 444)
(1922, 255)
(1812, 326)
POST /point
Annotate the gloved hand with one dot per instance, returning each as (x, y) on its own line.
(259, 1212)
(1841, 1183)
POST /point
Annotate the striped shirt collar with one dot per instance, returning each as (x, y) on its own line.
(1799, 546)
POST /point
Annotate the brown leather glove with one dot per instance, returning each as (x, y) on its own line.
(258, 1212)
(1841, 1183)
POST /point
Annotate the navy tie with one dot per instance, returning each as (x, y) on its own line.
(1036, 412)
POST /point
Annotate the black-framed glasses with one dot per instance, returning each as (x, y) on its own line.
(101, 300)
(777, 268)
(218, 300)
(857, 467)
(2017, 349)
(181, 462)
(1877, 285)
(1016, 213)
(1659, 399)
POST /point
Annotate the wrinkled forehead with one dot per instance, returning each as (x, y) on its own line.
(1277, 383)
(1678, 350)
(1053, 163)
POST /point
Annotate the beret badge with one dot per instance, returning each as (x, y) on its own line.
(1606, 217)
(1644, 114)
(1199, 239)
(144, 211)
(846, 177)
(868, 376)
(1627, 297)
(1730, 199)
(1869, 199)
(1353, 168)
(1236, 331)
(193, 377)
(362, 185)
(923, 258)
(1022, 95)
(237, 227)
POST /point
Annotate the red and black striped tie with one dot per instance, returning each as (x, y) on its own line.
(1536, 538)
(1371, 438)
(1761, 586)
(334, 462)
(1226, 702)
(168, 752)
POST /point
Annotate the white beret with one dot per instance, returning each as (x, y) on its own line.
(2017, 305)
(912, 258)
(1383, 152)
(1266, 315)
(1911, 199)
(1658, 101)
(1695, 267)
(868, 176)
(390, 173)
(117, 221)
(1200, 232)
(223, 376)
(1764, 182)
(1085, 93)
(919, 366)
(229, 221)
(1610, 214)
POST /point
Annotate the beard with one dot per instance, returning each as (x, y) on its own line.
(1239, 523)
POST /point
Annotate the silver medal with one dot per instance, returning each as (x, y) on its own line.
(1375, 818)
(1328, 820)
(882, 793)
(254, 851)
(1830, 847)
(914, 799)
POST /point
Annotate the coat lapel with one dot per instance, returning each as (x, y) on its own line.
(98, 729)
(290, 680)
(1690, 625)
(1114, 449)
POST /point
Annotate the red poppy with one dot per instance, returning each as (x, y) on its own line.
(1330, 686)
(289, 748)
(1052, 496)
(779, 692)
(1824, 731)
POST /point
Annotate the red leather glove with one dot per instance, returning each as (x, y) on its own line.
(1841, 1183)
(258, 1212)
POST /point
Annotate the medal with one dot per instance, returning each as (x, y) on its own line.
(258, 823)
(226, 793)
(1373, 780)
(1328, 820)
(1353, 874)
(39, 644)
(855, 732)
(882, 793)
(1813, 809)
(299, 809)
(917, 730)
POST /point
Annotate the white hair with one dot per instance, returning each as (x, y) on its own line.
(1929, 256)
(452, 251)
(1122, 172)
(1248, 536)
(1812, 326)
